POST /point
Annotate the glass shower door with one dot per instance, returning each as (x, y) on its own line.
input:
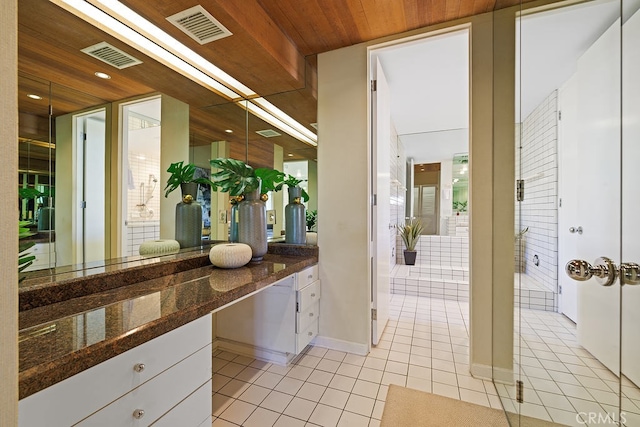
(578, 131)
(428, 207)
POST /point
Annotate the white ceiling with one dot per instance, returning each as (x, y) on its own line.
(429, 78)
(549, 45)
(429, 83)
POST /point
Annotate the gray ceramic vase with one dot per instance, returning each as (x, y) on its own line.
(189, 217)
(295, 218)
(252, 224)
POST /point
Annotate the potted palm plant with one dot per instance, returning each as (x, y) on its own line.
(410, 234)
(239, 179)
(188, 211)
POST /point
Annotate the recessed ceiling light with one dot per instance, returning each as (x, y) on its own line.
(228, 131)
(102, 75)
(290, 155)
(34, 96)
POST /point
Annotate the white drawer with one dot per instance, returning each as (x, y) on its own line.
(307, 317)
(308, 296)
(304, 338)
(307, 276)
(73, 399)
(157, 396)
(191, 412)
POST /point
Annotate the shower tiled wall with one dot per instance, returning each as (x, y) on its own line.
(140, 231)
(140, 227)
(538, 166)
(438, 251)
(142, 167)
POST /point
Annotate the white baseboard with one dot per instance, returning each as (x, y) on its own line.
(503, 376)
(248, 350)
(489, 373)
(340, 345)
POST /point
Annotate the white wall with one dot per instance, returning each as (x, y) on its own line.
(174, 146)
(9, 214)
(343, 198)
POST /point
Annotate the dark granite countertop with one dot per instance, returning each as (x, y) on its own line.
(77, 322)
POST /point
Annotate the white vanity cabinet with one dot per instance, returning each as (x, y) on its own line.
(275, 324)
(162, 380)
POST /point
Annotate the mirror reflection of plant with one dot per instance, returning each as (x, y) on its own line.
(312, 219)
(183, 174)
(292, 181)
(410, 233)
(24, 259)
(238, 178)
(460, 206)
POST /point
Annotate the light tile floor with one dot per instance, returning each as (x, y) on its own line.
(562, 381)
(425, 347)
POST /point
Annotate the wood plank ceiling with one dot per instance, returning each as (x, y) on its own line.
(272, 50)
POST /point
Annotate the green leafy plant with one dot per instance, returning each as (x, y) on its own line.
(183, 174)
(410, 233)
(312, 219)
(24, 259)
(292, 181)
(238, 178)
(460, 206)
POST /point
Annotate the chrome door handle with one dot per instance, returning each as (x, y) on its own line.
(629, 273)
(604, 271)
(575, 230)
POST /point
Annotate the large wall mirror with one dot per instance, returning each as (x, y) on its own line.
(93, 150)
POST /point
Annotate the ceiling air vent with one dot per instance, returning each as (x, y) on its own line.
(198, 24)
(111, 55)
(268, 133)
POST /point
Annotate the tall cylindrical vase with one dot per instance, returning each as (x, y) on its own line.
(295, 218)
(189, 217)
(252, 224)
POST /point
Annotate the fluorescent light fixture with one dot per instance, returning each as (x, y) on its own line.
(273, 120)
(114, 27)
(126, 25)
(266, 105)
(102, 75)
(34, 96)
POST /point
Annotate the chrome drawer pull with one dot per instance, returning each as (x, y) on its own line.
(313, 295)
(138, 413)
(310, 334)
(138, 367)
(310, 276)
(310, 314)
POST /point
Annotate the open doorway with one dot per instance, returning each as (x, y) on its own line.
(421, 168)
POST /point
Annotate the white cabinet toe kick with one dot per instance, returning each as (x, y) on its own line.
(277, 323)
